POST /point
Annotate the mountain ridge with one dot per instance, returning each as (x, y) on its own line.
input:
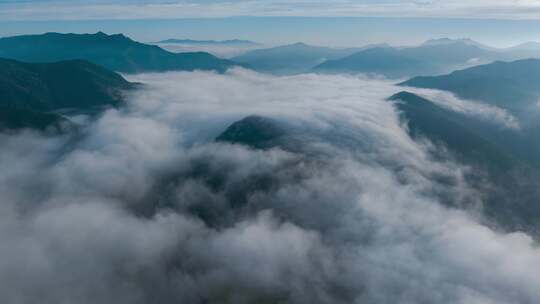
(115, 52)
(210, 42)
(32, 92)
(291, 58)
(429, 58)
(511, 85)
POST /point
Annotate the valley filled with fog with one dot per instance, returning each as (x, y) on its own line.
(164, 199)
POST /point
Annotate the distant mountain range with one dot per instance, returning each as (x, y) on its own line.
(514, 86)
(388, 62)
(31, 92)
(510, 158)
(465, 41)
(115, 52)
(232, 42)
(524, 50)
(290, 59)
(432, 57)
(120, 53)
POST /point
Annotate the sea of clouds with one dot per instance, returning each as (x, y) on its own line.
(141, 205)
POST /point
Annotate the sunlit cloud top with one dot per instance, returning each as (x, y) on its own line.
(148, 9)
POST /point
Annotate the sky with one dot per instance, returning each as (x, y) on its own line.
(333, 23)
(135, 9)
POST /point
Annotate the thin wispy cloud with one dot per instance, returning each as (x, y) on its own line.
(475, 108)
(142, 9)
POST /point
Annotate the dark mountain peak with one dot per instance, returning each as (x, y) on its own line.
(254, 131)
(118, 36)
(404, 95)
(105, 35)
(99, 36)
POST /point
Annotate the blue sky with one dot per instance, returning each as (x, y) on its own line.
(140, 9)
(331, 22)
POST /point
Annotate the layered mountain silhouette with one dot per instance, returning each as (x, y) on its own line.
(31, 92)
(231, 42)
(433, 57)
(289, 59)
(510, 158)
(471, 139)
(114, 52)
(465, 41)
(389, 62)
(529, 49)
(514, 86)
(501, 159)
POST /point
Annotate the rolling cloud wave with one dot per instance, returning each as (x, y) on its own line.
(143, 206)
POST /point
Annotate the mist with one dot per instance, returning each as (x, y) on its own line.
(223, 51)
(474, 108)
(141, 205)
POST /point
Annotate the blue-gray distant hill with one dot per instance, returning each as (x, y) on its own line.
(290, 59)
(114, 52)
(514, 86)
(231, 42)
(32, 92)
(529, 49)
(433, 57)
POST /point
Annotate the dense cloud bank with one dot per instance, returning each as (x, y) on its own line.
(142, 206)
(476, 109)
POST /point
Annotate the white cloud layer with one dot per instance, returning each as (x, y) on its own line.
(476, 109)
(143, 207)
(58, 9)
